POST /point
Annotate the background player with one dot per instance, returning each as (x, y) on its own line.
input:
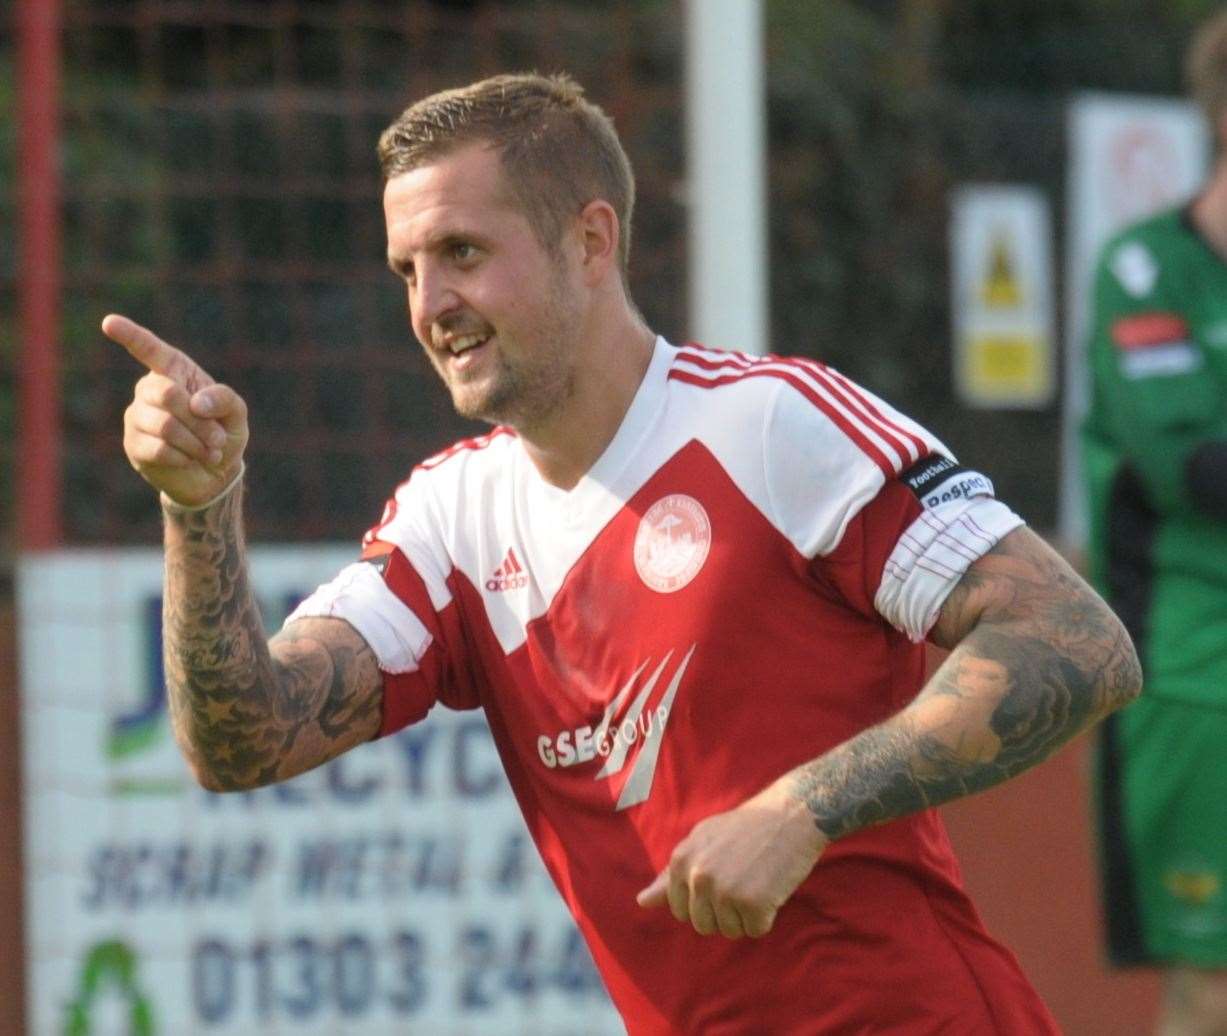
(1156, 460)
(704, 675)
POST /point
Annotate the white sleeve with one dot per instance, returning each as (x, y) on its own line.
(359, 595)
(829, 447)
(825, 463)
(393, 611)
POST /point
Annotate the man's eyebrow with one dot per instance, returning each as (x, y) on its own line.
(436, 244)
(455, 237)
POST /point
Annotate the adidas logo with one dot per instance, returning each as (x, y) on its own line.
(510, 575)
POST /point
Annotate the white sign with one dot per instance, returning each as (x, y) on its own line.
(1128, 157)
(393, 890)
(1001, 265)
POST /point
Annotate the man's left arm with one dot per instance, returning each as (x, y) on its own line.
(1036, 658)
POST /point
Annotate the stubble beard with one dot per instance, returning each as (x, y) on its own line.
(520, 395)
(528, 392)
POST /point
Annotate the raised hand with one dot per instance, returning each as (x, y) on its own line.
(183, 433)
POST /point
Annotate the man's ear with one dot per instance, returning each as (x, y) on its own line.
(600, 233)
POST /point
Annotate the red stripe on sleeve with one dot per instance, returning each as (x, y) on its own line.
(922, 447)
(888, 467)
(403, 580)
(861, 409)
(407, 697)
(714, 363)
(856, 403)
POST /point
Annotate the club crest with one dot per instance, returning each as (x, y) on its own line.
(672, 543)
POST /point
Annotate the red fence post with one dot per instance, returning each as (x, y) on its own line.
(37, 460)
(38, 175)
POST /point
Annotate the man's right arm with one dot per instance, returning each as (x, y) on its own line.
(246, 711)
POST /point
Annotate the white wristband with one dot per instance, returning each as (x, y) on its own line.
(174, 507)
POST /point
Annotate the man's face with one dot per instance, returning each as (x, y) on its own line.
(497, 313)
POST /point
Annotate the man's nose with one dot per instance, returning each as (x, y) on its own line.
(431, 299)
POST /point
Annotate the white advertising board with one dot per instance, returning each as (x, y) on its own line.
(1001, 266)
(1128, 157)
(394, 890)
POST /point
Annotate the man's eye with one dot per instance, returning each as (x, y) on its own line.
(462, 251)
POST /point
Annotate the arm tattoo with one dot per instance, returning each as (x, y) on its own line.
(246, 715)
(1038, 657)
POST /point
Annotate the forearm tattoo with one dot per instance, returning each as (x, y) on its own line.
(1039, 657)
(244, 714)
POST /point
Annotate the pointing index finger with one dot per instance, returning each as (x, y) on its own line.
(160, 357)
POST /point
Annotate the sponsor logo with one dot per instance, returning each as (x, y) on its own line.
(960, 487)
(672, 542)
(1193, 885)
(1160, 361)
(139, 727)
(938, 479)
(928, 471)
(1149, 330)
(109, 995)
(622, 730)
(1135, 268)
(1154, 345)
(510, 575)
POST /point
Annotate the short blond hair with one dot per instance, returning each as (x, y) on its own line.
(1206, 68)
(559, 151)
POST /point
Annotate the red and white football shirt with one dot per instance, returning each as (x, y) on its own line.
(741, 582)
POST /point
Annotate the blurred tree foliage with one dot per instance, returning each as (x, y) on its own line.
(876, 109)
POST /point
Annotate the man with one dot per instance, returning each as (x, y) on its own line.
(1156, 460)
(689, 588)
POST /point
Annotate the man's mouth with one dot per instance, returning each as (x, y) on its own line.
(463, 343)
(459, 340)
(461, 351)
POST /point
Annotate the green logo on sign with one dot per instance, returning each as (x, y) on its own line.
(110, 967)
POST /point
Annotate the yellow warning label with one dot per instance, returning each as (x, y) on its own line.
(1004, 366)
(1000, 288)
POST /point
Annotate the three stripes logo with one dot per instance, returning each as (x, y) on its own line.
(510, 575)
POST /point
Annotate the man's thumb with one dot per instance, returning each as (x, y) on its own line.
(219, 402)
(656, 894)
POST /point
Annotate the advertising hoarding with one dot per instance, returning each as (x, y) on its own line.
(393, 890)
